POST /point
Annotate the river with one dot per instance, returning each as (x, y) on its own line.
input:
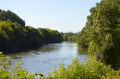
(48, 57)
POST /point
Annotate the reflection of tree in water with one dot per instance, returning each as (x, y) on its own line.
(82, 51)
(43, 49)
(49, 48)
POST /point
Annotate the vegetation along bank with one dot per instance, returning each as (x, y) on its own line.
(15, 36)
(101, 36)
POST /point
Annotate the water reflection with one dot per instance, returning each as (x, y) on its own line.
(82, 51)
(43, 49)
(48, 57)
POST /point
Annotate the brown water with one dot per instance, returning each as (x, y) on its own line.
(48, 57)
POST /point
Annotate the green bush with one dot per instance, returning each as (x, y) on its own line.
(90, 69)
(7, 71)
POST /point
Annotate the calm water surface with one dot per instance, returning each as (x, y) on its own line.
(48, 57)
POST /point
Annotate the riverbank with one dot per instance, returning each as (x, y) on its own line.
(16, 37)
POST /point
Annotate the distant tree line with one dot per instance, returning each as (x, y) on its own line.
(69, 36)
(15, 36)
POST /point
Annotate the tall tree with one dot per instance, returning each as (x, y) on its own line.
(102, 32)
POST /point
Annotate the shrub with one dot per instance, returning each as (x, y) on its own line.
(90, 69)
(7, 71)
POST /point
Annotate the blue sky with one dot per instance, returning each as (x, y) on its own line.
(61, 15)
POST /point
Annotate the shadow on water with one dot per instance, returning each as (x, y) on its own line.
(82, 51)
(45, 48)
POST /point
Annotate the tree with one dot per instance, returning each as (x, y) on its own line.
(102, 32)
(5, 15)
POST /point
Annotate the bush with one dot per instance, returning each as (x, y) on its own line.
(7, 71)
(90, 69)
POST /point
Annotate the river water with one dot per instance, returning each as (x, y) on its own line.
(48, 57)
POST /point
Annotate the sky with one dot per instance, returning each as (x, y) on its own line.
(61, 15)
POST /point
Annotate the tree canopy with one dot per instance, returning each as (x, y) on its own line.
(15, 36)
(69, 36)
(102, 32)
(8, 15)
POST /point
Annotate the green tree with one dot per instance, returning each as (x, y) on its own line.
(5, 15)
(102, 32)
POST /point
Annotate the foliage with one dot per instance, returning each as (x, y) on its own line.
(5, 15)
(50, 36)
(82, 40)
(14, 37)
(102, 32)
(72, 38)
(90, 69)
(69, 36)
(106, 34)
(8, 71)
